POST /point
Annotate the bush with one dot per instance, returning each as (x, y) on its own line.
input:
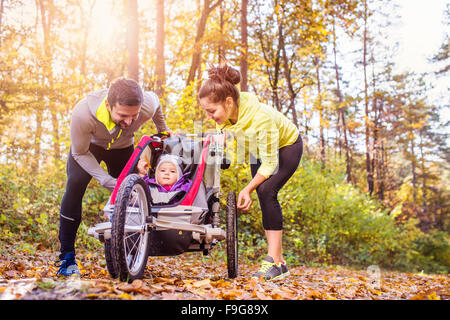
(30, 205)
(434, 250)
(329, 221)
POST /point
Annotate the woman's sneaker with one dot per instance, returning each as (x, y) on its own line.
(271, 271)
(67, 265)
(284, 270)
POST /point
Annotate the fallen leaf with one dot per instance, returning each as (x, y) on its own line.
(157, 288)
(170, 296)
(166, 280)
(221, 284)
(433, 296)
(11, 274)
(418, 297)
(137, 284)
(201, 283)
(230, 294)
(374, 291)
(125, 287)
(125, 296)
(260, 295)
(315, 295)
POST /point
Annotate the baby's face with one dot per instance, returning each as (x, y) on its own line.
(166, 174)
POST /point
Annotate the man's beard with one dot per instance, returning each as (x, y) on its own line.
(123, 125)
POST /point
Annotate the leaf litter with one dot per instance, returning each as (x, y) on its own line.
(32, 276)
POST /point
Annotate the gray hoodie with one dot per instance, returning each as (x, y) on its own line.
(88, 127)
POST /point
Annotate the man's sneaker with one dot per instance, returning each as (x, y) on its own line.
(271, 271)
(67, 265)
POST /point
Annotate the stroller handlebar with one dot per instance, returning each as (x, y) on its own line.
(215, 137)
(198, 135)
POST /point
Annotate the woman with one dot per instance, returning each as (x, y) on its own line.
(278, 150)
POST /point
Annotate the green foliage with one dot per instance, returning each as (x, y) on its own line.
(434, 250)
(30, 206)
(328, 221)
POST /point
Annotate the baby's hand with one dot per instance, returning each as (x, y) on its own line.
(142, 168)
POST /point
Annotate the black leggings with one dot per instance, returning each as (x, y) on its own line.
(77, 182)
(288, 161)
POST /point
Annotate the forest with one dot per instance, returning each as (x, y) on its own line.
(371, 187)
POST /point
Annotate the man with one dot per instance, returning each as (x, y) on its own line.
(102, 129)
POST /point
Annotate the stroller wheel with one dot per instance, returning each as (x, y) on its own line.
(109, 260)
(232, 243)
(129, 231)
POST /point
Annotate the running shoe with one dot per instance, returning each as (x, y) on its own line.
(67, 265)
(270, 271)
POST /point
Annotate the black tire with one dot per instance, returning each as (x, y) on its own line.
(130, 248)
(109, 260)
(232, 241)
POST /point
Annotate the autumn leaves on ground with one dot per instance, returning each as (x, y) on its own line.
(30, 275)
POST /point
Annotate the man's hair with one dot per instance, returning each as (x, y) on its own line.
(126, 92)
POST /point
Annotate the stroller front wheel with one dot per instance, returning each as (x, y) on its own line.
(129, 231)
(110, 265)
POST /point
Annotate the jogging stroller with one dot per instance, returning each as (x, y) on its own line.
(139, 228)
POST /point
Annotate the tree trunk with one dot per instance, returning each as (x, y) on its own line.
(292, 93)
(273, 78)
(55, 125)
(86, 21)
(84, 52)
(160, 69)
(341, 111)
(201, 27)
(47, 14)
(377, 159)
(132, 39)
(366, 105)
(413, 172)
(305, 119)
(1, 18)
(377, 106)
(221, 49)
(287, 73)
(381, 172)
(386, 172)
(429, 219)
(37, 143)
(244, 44)
(316, 62)
(375, 156)
(271, 58)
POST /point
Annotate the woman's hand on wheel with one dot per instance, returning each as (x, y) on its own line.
(244, 196)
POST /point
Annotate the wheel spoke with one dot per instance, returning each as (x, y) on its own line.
(130, 235)
(132, 242)
(131, 219)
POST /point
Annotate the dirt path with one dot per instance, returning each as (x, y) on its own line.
(30, 275)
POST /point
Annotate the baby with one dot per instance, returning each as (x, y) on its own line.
(168, 179)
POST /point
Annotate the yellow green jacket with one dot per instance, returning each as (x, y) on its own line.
(262, 131)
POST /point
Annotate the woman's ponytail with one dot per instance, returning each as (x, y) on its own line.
(225, 73)
(221, 83)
